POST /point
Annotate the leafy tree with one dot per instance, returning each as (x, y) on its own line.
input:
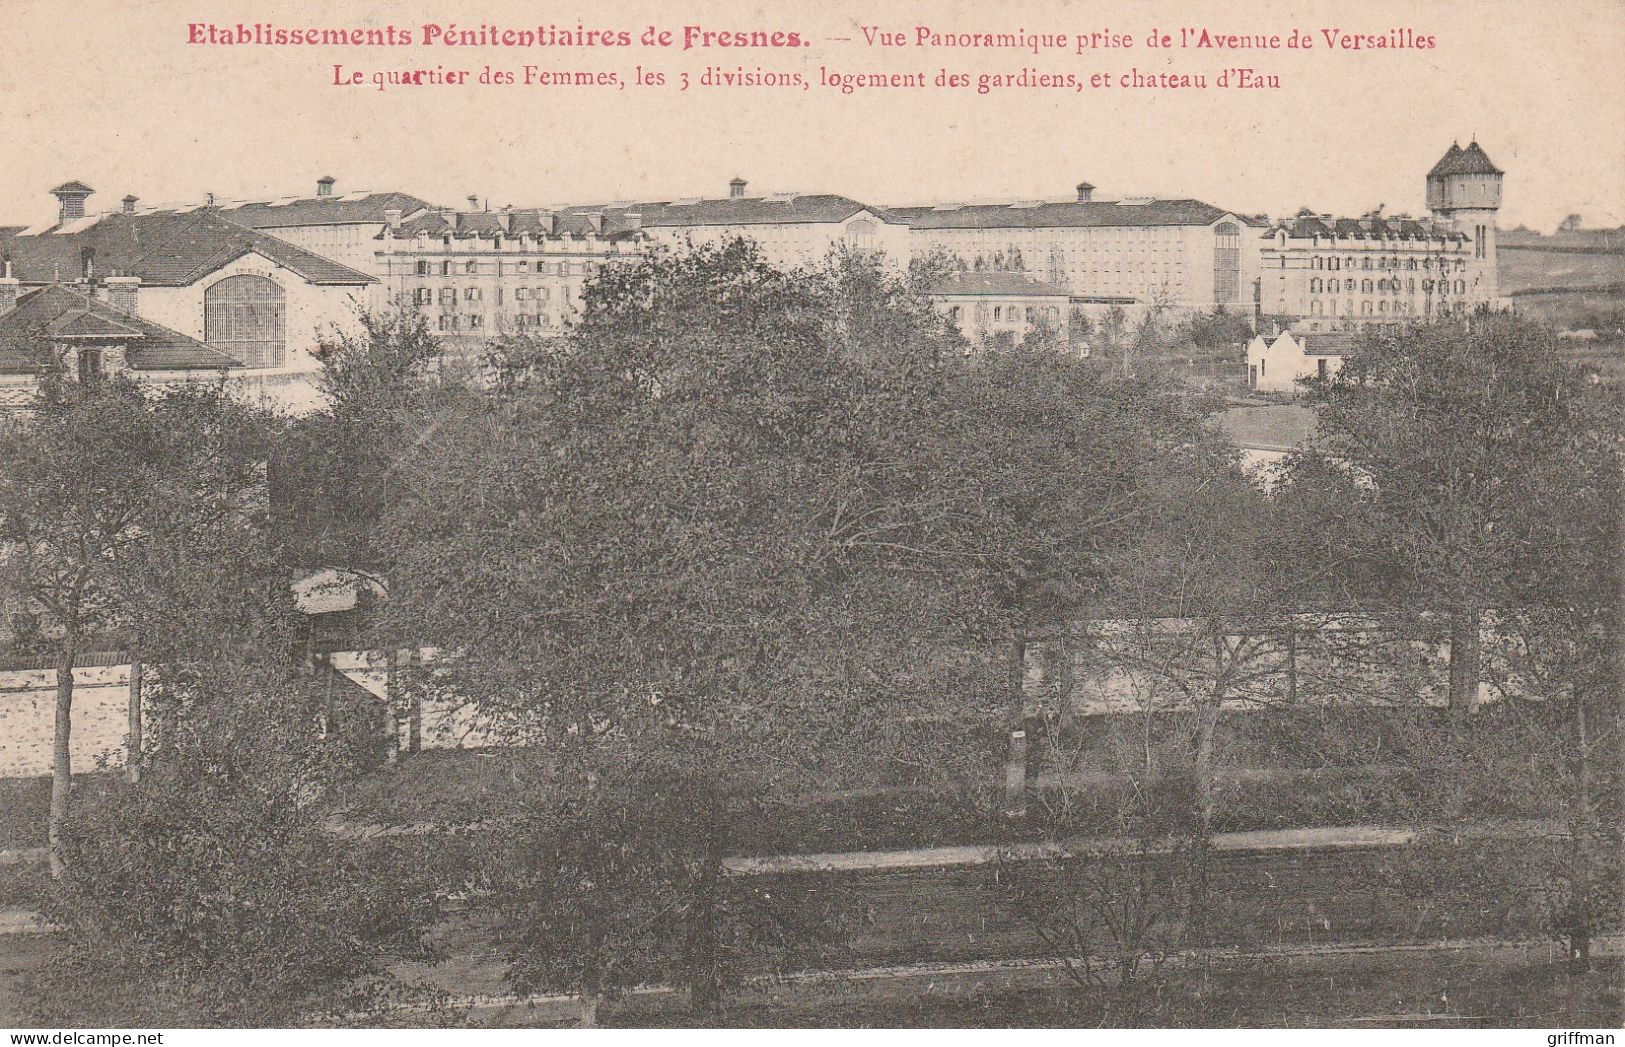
(1463, 468)
(763, 513)
(337, 470)
(1474, 470)
(207, 896)
(622, 885)
(1218, 331)
(124, 516)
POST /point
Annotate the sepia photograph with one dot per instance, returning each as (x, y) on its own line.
(1094, 515)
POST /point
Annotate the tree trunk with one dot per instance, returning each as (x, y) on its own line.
(1016, 681)
(1464, 669)
(389, 730)
(1015, 776)
(414, 699)
(589, 1010)
(705, 933)
(1292, 661)
(1579, 848)
(1206, 729)
(133, 744)
(1202, 858)
(62, 760)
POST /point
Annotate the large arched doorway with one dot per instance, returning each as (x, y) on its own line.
(860, 235)
(245, 316)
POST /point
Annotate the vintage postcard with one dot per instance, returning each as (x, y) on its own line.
(928, 514)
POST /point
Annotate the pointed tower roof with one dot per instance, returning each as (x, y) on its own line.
(1459, 161)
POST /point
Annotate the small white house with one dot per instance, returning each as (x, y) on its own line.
(1277, 365)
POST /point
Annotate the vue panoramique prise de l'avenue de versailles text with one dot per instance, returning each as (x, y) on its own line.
(573, 55)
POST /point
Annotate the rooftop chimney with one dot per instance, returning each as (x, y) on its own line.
(70, 197)
(122, 291)
(1086, 192)
(548, 221)
(473, 202)
(595, 220)
(10, 287)
(129, 203)
(633, 219)
(736, 188)
(392, 217)
(324, 185)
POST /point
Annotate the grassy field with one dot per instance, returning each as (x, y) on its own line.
(1522, 270)
(1479, 989)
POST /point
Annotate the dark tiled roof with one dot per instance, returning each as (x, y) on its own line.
(1457, 161)
(1335, 343)
(1306, 225)
(319, 210)
(490, 224)
(786, 209)
(1102, 213)
(163, 249)
(996, 283)
(60, 313)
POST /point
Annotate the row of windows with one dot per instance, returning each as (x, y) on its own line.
(1383, 263)
(448, 295)
(1012, 313)
(1316, 286)
(447, 268)
(476, 322)
(1367, 308)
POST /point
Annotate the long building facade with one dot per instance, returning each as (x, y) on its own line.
(1179, 254)
(256, 279)
(1382, 271)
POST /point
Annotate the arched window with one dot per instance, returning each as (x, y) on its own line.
(860, 235)
(245, 316)
(1226, 263)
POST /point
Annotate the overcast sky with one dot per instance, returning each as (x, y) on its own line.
(109, 92)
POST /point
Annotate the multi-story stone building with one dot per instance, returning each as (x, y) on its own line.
(481, 274)
(1180, 254)
(792, 229)
(1383, 271)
